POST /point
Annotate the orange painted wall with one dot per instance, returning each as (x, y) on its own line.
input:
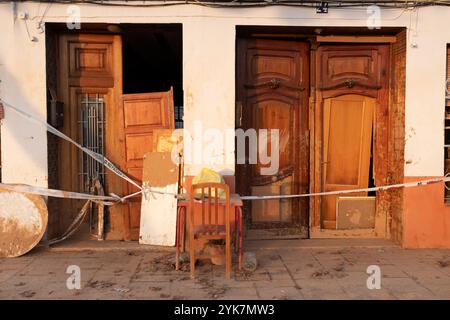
(426, 219)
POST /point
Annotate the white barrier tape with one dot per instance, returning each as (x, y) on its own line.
(337, 192)
(106, 200)
(327, 193)
(98, 157)
(110, 200)
(76, 223)
(113, 199)
(103, 160)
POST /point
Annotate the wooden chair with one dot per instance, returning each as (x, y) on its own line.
(211, 227)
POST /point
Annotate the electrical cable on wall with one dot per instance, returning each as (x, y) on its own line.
(396, 4)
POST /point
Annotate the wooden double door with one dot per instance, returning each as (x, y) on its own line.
(344, 89)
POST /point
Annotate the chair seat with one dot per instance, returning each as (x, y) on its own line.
(209, 230)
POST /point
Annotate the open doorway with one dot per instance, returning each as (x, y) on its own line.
(114, 85)
(152, 61)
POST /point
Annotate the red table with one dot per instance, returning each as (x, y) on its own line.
(183, 204)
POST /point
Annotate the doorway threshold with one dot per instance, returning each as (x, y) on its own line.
(82, 240)
(275, 233)
(320, 244)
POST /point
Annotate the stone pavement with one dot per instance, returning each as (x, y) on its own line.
(288, 269)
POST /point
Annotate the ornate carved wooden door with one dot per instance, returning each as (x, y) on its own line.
(272, 94)
(89, 78)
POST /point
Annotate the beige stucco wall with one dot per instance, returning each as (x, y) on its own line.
(22, 76)
(209, 72)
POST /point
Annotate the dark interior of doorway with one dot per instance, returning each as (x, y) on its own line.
(152, 61)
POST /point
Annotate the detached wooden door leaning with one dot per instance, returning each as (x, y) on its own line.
(142, 114)
(347, 129)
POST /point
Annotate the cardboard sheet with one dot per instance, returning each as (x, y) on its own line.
(159, 211)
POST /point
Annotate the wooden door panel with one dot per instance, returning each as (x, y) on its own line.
(347, 139)
(345, 66)
(274, 112)
(146, 110)
(268, 60)
(137, 145)
(90, 58)
(143, 113)
(272, 64)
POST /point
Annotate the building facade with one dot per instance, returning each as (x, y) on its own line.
(362, 88)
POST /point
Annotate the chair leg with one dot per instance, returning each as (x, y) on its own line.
(228, 257)
(236, 230)
(177, 257)
(240, 238)
(177, 241)
(192, 257)
(184, 226)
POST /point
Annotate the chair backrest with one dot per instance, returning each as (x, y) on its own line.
(212, 195)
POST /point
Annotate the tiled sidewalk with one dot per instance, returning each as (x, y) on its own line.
(287, 270)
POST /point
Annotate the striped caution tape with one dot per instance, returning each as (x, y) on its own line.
(338, 192)
(96, 156)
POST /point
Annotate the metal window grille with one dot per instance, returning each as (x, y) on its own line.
(92, 137)
(179, 112)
